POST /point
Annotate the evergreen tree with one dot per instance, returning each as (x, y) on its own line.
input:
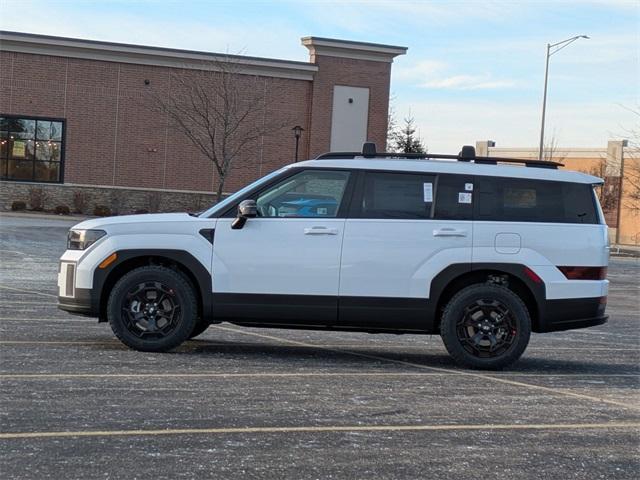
(405, 140)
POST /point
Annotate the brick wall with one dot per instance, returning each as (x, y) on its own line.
(115, 136)
(355, 73)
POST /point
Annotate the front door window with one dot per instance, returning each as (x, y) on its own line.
(308, 194)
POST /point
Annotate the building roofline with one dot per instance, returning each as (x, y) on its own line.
(150, 55)
(351, 49)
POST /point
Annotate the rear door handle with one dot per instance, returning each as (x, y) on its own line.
(320, 231)
(449, 232)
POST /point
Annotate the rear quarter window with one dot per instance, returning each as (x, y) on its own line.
(527, 200)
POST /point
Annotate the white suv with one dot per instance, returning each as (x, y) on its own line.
(482, 251)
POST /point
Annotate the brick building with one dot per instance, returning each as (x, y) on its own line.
(77, 116)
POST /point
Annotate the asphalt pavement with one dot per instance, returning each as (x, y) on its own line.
(262, 403)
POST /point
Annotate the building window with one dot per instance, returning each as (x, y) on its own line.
(31, 149)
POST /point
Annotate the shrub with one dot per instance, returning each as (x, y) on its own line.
(37, 198)
(153, 200)
(80, 201)
(102, 211)
(18, 205)
(62, 210)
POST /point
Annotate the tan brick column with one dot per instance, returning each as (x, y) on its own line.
(355, 64)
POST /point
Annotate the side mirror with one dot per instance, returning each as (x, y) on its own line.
(246, 209)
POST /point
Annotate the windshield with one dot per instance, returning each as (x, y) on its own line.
(239, 194)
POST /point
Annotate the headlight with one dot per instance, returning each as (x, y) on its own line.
(83, 239)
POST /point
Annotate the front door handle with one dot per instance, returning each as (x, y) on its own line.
(320, 231)
(449, 232)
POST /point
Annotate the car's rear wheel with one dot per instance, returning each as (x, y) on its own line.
(485, 326)
(152, 309)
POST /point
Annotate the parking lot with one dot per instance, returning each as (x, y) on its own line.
(250, 403)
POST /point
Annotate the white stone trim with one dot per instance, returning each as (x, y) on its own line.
(356, 50)
(145, 55)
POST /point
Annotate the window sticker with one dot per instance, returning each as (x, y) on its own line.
(323, 211)
(427, 192)
(464, 197)
(468, 187)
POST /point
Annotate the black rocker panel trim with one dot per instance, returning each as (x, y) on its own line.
(198, 271)
(384, 313)
(321, 310)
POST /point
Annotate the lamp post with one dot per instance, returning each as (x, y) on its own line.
(297, 132)
(551, 49)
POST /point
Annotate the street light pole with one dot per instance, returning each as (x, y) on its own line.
(297, 132)
(557, 47)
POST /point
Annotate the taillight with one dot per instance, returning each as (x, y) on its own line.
(584, 273)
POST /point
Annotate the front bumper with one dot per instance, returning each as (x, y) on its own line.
(83, 303)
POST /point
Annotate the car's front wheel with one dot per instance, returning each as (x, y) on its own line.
(152, 309)
(485, 326)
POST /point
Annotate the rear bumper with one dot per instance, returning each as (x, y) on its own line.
(83, 303)
(572, 313)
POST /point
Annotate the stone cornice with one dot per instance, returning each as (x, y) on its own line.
(145, 55)
(348, 49)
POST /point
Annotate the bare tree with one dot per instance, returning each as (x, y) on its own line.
(221, 111)
(550, 153)
(631, 167)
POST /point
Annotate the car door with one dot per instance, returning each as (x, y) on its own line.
(397, 242)
(283, 266)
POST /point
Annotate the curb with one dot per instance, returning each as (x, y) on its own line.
(624, 252)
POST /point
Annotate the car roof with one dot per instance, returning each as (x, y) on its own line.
(454, 167)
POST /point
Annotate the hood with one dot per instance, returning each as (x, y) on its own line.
(153, 218)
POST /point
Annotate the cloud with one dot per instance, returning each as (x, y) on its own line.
(468, 82)
(418, 70)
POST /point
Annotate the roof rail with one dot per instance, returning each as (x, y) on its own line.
(467, 154)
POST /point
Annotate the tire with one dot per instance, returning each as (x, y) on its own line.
(152, 309)
(485, 326)
(200, 328)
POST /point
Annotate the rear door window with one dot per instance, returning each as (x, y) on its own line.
(528, 200)
(397, 195)
(454, 197)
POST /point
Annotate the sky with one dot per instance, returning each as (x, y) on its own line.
(474, 70)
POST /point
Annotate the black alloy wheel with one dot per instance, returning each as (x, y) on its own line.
(151, 310)
(485, 326)
(487, 329)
